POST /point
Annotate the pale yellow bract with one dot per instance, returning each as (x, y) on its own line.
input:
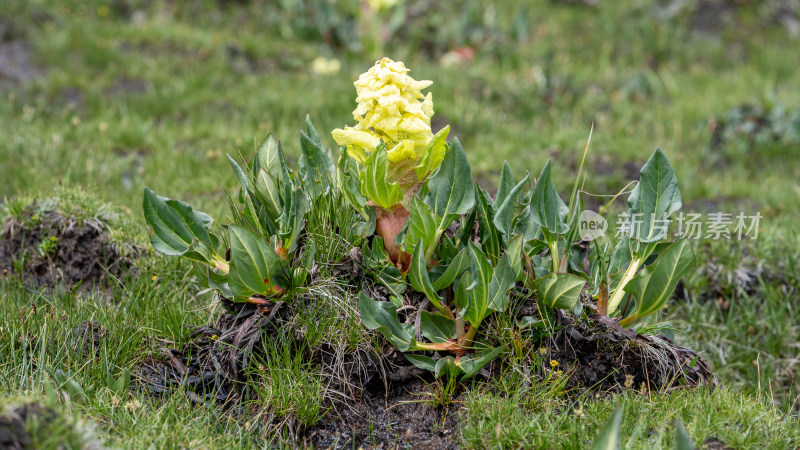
(392, 108)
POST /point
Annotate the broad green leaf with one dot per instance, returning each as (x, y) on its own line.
(418, 274)
(490, 236)
(347, 178)
(621, 258)
(609, 437)
(505, 185)
(292, 220)
(269, 193)
(446, 368)
(502, 281)
(451, 192)
(240, 174)
(391, 278)
(462, 297)
(219, 281)
(421, 361)
(434, 154)
(436, 327)
(252, 259)
(174, 224)
(420, 226)
(479, 290)
(374, 184)
(653, 200)
(509, 210)
(311, 131)
(382, 316)
(559, 290)
(456, 267)
(547, 208)
(682, 439)
(315, 166)
(471, 366)
(270, 157)
(514, 254)
(653, 286)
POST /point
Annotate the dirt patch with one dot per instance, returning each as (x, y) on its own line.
(604, 356)
(54, 250)
(371, 403)
(397, 418)
(16, 63)
(13, 425)
(212, 364)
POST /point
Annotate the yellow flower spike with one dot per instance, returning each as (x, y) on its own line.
(391, 108)
(553, 363)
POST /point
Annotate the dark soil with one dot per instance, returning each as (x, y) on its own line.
(371, 408)
(59, 251)
(602, 355)
(384, 420)
(212, 364)
(13, 433)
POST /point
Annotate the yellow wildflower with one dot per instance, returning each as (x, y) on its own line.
(324, 66)
(391, 108)
(553, 363)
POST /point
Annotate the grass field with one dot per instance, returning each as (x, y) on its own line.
(109, 97)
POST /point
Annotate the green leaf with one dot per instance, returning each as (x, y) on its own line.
(268, 193)
(451, 192)
(174, 224)
(240, 174)
(509, 210)
(502, 280)
(374, 184)
(505, 185)
(471, 366)
(312, 132)
(654, 285)
(347, 178)
(420, 226)
(462, 297)
(682, 439)
(219, 281)
(434, 154)
(609, 437)
(547, 208)
(559, 290)
(252, 259)
(421, 361)
(446, 368)
(436, 327)
(490, 236)
(479, 290)
(382, 316)
(654, 199)
(315, 166)
(418, 273)
(456, 267)
(514, 254)
(292, 220)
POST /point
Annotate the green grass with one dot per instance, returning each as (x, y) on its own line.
(154, 94)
